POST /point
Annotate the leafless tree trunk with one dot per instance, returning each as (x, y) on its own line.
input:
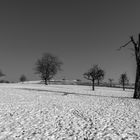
(93, 82)
(137, 84)
(123, 87)
(137, 56)
(46, 82)
(137, 79)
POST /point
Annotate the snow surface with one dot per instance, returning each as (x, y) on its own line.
(67, 112)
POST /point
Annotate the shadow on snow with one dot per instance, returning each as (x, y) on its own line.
(71, 93)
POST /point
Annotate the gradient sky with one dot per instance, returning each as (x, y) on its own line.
(79, 32)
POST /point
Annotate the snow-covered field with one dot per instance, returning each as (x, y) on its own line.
(67, 112)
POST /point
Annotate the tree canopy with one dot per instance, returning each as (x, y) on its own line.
(94, 73)
(48, 66)
(123, 80)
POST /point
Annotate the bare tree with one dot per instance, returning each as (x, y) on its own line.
(93, 74)
(23, 78)
(1, 73)
(100, 76)
(110, 81)
(48, 66)
(136, 48)
(123, 80)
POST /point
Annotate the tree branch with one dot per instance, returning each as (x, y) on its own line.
(132, 40)
(124, 45)
(135, 47)
(87, 77)
(139, 41)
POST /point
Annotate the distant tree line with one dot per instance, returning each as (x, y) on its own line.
(49, 65)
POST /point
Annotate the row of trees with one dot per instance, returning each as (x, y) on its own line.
(49, 65)
(47, 71)
(97, 74)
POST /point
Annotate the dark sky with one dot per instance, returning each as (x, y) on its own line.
(79, 32)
